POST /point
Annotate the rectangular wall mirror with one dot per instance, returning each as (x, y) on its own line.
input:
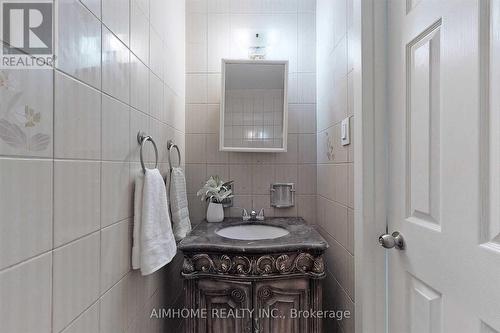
(254, 107)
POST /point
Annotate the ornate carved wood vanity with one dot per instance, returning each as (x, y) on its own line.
(263, 286)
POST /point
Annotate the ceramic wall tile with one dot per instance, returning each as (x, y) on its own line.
(196, 176)
(219, 30)
(159, 16)
(239, 202)
(219, 6)
(307, 118)
(26, 209)
(77, 199)
(113, 310)
(307, 42)
(196, 57)
(214, 155)
(287, 45)
(77, 119)
(339, 20)
(350, 185)
(307, 87)
(139, 32)
(139, 122)
(213, 88)
(334, 188)
(306, 208)
(53, 124)
(286, 173)
(115, 253)
(115, 129)
(143, 5)
(196, 148)
(306, 183)
(26, 117)
(139, 84)
(116, 202)
(196, 88)
(196, 29)
(291, 155)
(242, 176)
(197, 209)
(156, 54)
(115, 66)
(221, 170)
(282, 6)
(76, 279)
(116, 16)
(27, 286)
(350, 231)
(293, 88)
(94, 6)
(336, 225)
(307, 148)
(86, 322)
(155, 96)
(246, 6)
(307, 5)
(196, 118)
(78, 42)
(286, 212)
(263, 176)
(213, 118)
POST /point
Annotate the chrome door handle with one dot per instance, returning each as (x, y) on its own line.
(395, 240)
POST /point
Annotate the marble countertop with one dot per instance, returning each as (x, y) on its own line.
(302, 237)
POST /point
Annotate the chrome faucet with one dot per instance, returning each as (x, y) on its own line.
(253, 216)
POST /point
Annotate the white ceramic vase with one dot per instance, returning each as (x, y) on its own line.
(215, 212)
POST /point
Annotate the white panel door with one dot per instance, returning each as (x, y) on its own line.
(444, 161)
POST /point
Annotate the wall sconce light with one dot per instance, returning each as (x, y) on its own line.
(257, 46)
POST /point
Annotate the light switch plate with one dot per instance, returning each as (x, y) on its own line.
(345, 133)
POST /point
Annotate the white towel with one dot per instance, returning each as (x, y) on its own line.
(153, 244)
(179, 204)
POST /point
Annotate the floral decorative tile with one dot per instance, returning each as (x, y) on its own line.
(26, 113)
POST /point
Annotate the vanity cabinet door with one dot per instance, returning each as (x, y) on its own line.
(227, 304)
(275, 303)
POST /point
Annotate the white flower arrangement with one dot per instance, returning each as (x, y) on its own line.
(215, 190)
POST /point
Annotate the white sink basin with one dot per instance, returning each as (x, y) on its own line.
(252, 232)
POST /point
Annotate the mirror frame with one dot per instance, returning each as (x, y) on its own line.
(283, 149)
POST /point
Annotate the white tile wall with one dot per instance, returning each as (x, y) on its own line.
(76, 273)
(76, 212)
(26, 206)
(115, 253)
(115, 129)
(68, 157)
(335, 206)
(77, 110)
(27, 287)
(115, 15)
(86, 322)
(116, 202)
(26, 117)
(139, 32)
(115, 66)
(79, 41)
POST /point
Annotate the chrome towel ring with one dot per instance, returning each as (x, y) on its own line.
(171, 145)
(142, 138)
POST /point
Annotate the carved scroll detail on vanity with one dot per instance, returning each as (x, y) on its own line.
(254, 265)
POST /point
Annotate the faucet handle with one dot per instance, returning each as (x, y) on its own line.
(260, 217)
(245, 215)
